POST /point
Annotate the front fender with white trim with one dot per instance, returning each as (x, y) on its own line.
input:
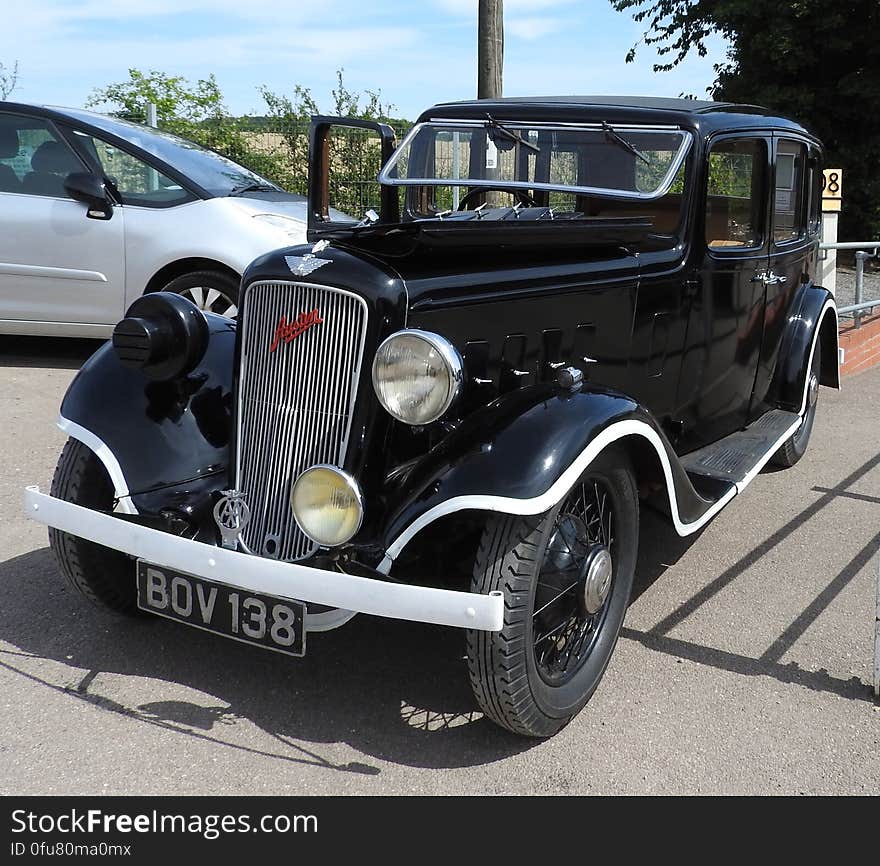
(523, 452)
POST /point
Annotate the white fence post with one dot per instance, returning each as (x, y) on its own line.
(828, 275)
(832, 197)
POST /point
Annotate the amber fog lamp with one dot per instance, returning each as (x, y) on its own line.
(417, 376)
(163, 334)
(327, 505)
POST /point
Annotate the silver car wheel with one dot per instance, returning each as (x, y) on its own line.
(211, 300)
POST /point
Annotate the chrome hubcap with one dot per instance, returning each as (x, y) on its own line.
(211, 300)
(813, 389)
(574, 582)
(597, 579)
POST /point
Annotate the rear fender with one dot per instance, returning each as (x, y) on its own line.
(812, 328)
(522, 453)
(150, 434)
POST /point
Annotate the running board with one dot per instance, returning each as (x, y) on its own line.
(739, 457)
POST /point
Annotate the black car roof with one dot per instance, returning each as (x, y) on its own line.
(663, 103)
(695, 113)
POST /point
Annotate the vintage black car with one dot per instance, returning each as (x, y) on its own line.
(450, 410)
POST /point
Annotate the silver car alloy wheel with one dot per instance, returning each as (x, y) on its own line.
(211, 300)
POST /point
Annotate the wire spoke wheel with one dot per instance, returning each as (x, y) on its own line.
(566, 576)
(574, 582)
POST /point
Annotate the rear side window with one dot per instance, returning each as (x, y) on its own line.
(735, 193)
(814, 192)
(789, 200)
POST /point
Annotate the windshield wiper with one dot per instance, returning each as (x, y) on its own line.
(255, 187)
(613, 135)
(509, 134)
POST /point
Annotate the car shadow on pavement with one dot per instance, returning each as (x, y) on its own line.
(660, 547)
(392, 690)
(46, 352)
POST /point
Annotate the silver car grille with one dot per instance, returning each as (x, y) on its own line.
(295, 402)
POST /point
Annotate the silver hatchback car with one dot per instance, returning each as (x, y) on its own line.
(96, 211)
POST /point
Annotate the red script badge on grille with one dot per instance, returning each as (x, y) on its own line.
(287, 331)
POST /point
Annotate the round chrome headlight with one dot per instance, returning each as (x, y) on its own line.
(417, 376)
(327, 505)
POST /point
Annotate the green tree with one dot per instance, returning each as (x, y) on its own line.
(354, 154)
(275, 144)
(194, 110)
(812, 60)
(176, 98)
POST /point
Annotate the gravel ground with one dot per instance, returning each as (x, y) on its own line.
(846, 286)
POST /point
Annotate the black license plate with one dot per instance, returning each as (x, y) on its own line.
(274, 623)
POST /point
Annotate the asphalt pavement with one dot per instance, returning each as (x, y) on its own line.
(745, 665)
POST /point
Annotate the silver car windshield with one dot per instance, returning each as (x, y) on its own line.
(215, 173)
(619, 161)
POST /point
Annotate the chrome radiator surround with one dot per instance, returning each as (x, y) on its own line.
(295, 401)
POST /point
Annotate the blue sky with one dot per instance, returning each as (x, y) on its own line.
(416, 53)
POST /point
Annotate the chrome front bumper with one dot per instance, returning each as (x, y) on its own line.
(285, 579)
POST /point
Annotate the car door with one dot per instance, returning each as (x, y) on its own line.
(725, 328)
(794, 231)
(57, 265)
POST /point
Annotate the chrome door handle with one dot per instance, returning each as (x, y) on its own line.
(768, 278)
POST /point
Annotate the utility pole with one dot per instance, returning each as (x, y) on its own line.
(490, 48)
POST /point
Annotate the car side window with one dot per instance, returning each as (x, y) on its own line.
(789, 211)
(735, 193)
(814, 197)
(136, 182)
(34, 160)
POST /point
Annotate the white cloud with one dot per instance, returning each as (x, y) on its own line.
(530, 28)
(416, 53)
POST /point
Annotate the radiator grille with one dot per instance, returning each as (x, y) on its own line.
(295, 403)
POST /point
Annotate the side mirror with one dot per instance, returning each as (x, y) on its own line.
(89, 188)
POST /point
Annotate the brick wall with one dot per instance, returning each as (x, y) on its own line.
(861, 345)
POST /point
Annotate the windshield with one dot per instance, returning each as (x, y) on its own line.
(212, 172)
(620, 161)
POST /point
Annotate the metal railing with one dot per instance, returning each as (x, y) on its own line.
(864, 250)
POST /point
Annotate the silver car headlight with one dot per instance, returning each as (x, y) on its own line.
(417, 376)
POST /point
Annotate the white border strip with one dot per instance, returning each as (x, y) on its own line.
(17, 270)
(107, 457)
(257, 574)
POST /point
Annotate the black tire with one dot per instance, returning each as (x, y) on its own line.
(105, 577)
(796, 445)
(508, 678)
(211, 291)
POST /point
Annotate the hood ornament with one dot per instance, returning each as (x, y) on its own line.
(232, 515)
(302, 266)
